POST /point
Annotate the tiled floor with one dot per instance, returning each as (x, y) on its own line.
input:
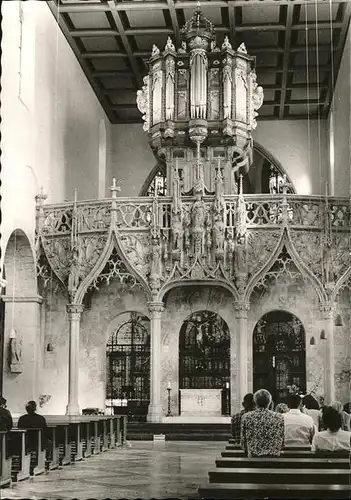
(145, 470)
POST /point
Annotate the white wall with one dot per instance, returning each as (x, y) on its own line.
(340, 127)
(50, 133)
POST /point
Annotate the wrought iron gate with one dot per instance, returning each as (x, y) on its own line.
(279, 355)
(128, 366)
(204, 352)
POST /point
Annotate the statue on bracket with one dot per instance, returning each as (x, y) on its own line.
(15, 353)
(198, 224)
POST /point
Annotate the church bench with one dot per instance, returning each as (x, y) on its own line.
(313, 462)
(20, 456)
(259, 491)
(5, 460)
(290, 454)
(36, 447)
(286, 448)
(53, 451)
(279, 475)
(94, 436)
(63, 443)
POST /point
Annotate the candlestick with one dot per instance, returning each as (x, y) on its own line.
(169, 386)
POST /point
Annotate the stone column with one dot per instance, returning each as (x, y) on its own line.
(329, 360)
(242, 309)
(155, 408)
(74, 313)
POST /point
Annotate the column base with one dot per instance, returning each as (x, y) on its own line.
(72, 409)
(155, 414)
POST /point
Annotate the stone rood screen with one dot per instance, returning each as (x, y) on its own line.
(201, 101)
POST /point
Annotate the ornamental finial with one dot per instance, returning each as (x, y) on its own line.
(114, 188)
(41, 197)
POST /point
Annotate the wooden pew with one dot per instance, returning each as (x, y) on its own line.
(63, 443)
(20, 455)
(94, 435)
(248, 491)
(36, 446)
(284, 463)
(5, 460)
(287, 454)
(270, 475)
(86, 441)
(53, 451)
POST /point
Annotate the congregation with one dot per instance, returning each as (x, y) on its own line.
(262, 431)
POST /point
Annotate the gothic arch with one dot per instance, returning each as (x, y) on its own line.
(161, 167)
(181, 283)
(19, 265)
(303, 269)
(342, 281)
(111, 244)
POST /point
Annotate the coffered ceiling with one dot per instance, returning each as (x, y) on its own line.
(298, 46)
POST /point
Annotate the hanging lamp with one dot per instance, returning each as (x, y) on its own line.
(312, 341)
(338, 320)
(322, 335)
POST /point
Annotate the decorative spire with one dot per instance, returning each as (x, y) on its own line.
(114, 188)
(198, 25)
(41, 197)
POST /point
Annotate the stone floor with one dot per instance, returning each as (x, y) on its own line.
(171, 469)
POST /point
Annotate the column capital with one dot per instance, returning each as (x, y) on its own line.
(156, 307)
(242, 308)
(327, 309)
(74, 310)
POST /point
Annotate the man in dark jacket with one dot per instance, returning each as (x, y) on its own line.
(31, 420)
(5, 416)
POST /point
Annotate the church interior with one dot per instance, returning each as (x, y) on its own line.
(176, 230)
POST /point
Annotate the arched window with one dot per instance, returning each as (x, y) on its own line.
(279, 356)
(128, 365)
(204, 352)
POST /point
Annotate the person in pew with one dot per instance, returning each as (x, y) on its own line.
(248, 405)
(262, 430)
(32, 420)
(299, 428)
(345, 417)
(281, 408)
(334, 438)
(6, 422)
(311, 407)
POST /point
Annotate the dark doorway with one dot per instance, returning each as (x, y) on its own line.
(279, 355)
(204, 354)
(128, 367)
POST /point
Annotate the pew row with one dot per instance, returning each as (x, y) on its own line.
(67, 439)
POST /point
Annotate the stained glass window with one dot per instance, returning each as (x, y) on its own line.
(158, 184)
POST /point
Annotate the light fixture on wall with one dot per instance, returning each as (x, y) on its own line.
(322, 335)
(312, 341)
(338, 320)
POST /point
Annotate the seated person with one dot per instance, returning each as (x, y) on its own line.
(248, 405)
(262, 430)
(281, 408)
(334, 438)
(6, 423)
(33, 420)
(311, 408)
(345, 417)
(299, 428)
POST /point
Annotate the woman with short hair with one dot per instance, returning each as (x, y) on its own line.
(345, 417)
(334, 438)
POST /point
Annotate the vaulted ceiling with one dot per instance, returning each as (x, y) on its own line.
(298, 46)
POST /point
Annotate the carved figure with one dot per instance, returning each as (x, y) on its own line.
(143, 103)
(182, 48)
(170, 74)
(240, 256)
(213, 47)
(74, 272)
(198, 224)
(187, 223)
(169, 44)
(15, 351)
(177, 231)
(218, 233)
(256, 99)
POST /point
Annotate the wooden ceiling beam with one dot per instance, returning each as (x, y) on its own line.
(232, 23)
(337, 58)
(113, 73)
(90, 32)
(180, 4)
(86, 70)
(286, 58)
(124, 39)
(103, 55)
(174, 20)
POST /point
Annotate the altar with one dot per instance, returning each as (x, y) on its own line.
(201, 402)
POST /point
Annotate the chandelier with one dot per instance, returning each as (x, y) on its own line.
(199, 104)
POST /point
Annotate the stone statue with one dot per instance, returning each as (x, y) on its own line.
(182, 48)
(187, 222)
(177, 230)
(198, 223)
(15, 355)
(143, 103)
(218, 233)
(240, 256)
(74, 272)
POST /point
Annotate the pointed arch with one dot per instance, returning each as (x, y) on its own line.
(342, 281)
(20, 265)
(285, 240)
(198, 283)
(159, 167)
(111, 244)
